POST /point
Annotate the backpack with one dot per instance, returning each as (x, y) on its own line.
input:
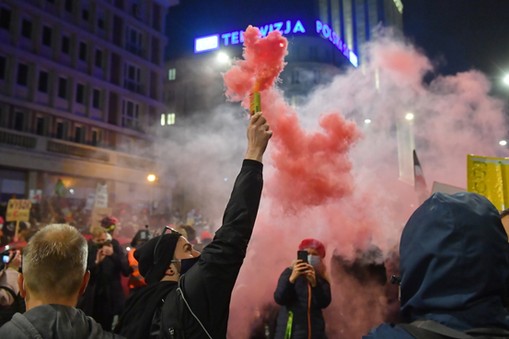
(429, 329)
(7, 311)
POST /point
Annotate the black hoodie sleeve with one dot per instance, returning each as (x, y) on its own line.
(209, 284)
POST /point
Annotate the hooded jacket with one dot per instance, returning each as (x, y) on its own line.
(54, 321)
(454, 264)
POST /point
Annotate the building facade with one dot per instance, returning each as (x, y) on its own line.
(81, 82)
(325, 38)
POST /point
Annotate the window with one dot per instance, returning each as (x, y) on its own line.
(130, 114)
(66, 41)
(83, 51)
(80, 93)
(5, 18)
(3, 63)
(167, 119)
(85, 15)
(172, 74)
(46, 36)
(100, 23)
(133, 40)
(78, 133)
(26, 28)
(39, 125)
(22, 78)
(96, 98)
(132, 76)
(98, 58)
(42, 85)
(62, 88)
(60, 130)
(19, 121)
(68, 5)
(95, 137)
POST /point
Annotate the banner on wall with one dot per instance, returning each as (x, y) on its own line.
(489, 176)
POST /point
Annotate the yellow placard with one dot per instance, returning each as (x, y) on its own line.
(489, 176)
(18, 210)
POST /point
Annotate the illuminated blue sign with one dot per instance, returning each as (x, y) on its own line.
(288, 27)
(206, 43)
(328, 33)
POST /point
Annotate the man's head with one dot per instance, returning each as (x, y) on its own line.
(453, 254)
(161, 257)
(54, 264)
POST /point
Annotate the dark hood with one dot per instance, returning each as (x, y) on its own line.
(454, 262)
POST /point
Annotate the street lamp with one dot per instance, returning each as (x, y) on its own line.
(151, 178)
(505, 79)
(223, 58)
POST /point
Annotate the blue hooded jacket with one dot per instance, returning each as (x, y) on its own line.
(454, 264)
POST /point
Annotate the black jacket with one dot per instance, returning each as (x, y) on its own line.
(105, 290)
(294, 298)
(53, 321)
(208, 285)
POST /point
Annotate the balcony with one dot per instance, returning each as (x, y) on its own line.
(50, 148)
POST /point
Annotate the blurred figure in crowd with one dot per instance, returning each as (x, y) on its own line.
(136, 281)
(10, 299)
(107, 261)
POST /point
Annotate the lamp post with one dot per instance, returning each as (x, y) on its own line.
(151, 178)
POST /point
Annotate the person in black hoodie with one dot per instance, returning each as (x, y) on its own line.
(54, 276)
(188, 294)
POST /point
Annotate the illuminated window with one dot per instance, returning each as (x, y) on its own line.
(167, 119)
(172, 74)
(170, 118)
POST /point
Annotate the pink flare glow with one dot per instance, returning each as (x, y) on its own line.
(263, 62)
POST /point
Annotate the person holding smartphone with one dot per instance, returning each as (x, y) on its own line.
(303, 290)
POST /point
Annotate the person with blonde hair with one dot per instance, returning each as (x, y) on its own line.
(54, 276)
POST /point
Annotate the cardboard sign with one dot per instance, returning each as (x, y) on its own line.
(489, 176)
(18, 210)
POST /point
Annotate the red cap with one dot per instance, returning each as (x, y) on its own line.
(313, 243)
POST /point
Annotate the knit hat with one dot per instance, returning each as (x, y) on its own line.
(314, 244)
(152, 261)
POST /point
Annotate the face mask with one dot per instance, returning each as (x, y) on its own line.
(314, 260)
(186, 264)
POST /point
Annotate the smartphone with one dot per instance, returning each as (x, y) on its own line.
(5, 258)
(302, 255)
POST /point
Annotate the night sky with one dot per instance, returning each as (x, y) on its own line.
(458, 35)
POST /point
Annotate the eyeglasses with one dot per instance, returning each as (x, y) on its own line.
(163, 232)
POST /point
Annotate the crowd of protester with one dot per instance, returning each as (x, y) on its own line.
(64, 280)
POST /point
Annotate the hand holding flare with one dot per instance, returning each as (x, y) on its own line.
(255, 104)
